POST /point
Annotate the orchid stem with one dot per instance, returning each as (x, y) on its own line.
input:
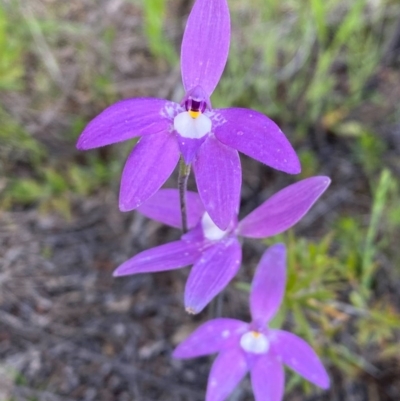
(184, 171)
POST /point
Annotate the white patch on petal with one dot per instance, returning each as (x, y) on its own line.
(254, 342)
(170, 110)
(189, 127)
(210, 230)
(216, 118)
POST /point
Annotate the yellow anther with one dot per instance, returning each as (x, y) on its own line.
(256, 334)
(193, 113)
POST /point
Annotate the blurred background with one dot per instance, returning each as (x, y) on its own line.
(328, 72)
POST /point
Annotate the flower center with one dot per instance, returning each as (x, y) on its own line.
(210, 230)
(193, 123)
(194, 113)
(195, 106)
(254, 342)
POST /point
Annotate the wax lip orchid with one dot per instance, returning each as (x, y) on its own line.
(207, 138)
(254, 347)
(216, 254)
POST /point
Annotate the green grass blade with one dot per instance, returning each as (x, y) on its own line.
(376, 215)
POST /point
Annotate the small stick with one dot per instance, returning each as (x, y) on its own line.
(184, 171)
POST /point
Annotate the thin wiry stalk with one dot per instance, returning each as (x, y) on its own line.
(184, 171)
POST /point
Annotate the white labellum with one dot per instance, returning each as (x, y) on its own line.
(189, 127)
(210, 230)
(254, 342)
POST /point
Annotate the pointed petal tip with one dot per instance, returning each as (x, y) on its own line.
(293, 166)
(79, 144)
(119, 272)
(191, 310)
(176, 354)
(319, 182)
(84, 142)
(325, 180)
(296, 169)
(325, 383)
(123, 208)
(127, 207)
(322, 380)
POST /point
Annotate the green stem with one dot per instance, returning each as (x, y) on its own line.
(184, 171)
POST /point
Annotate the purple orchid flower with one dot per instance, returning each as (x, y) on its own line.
(254, 347)
(210, 138)
(216, 254)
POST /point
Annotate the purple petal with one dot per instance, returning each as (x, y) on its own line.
(227, 371)
(268, 286)
(125, 120)
(165, 257)
(211, 274)
(164, 206)
(189, 147)
(149, 165)
(255, 135)
(219, 177)
(268, 379)
(210, 337)
(284, 209)
(196, 234)
(299, 356)
(205, 44)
